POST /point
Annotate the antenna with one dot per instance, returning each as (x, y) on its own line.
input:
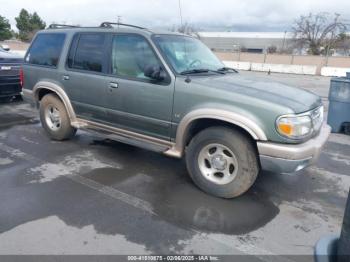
(182, 28)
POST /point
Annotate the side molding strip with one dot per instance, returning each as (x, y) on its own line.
(126, 133)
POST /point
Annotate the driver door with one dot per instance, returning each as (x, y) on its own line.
(136, 102)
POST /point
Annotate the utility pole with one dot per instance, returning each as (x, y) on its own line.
(119, 20)
(284, 40)
(180, 10)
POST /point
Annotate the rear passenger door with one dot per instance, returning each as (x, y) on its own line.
(85, 74)
(136, 102)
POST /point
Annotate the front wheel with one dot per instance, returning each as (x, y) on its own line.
(222, 162)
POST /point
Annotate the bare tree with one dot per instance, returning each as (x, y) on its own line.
(343, 44)
(271, 49)
(319, 32)
(187, 29)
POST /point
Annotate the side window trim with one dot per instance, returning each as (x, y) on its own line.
(75, 47)
(105, 70)
(166, 82)
(72, 44)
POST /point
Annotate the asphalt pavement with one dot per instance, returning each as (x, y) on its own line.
(91, 195)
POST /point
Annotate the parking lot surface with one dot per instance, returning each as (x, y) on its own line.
(91, 195)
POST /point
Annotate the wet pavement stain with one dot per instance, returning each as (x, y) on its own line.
(190, 208)
(177, 200)
(10, 120)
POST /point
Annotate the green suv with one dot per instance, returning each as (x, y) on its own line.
(169, 93)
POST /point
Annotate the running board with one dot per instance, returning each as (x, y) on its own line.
(128, 137)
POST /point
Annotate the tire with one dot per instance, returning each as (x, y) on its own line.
(222, 162)
(57, 124)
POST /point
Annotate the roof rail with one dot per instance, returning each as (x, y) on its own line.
(56, 26)
(110, 25)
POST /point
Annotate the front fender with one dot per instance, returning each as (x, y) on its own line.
(239, 120)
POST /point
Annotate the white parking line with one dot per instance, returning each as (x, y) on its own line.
(114, 193)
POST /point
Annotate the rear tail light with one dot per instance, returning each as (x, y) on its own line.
(21, 77)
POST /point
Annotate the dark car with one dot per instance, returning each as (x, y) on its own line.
(10, 80)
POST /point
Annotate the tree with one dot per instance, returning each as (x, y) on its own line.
(28, 24)
(319, 32)
(5, 29)
(343, 43)
(187, 29)
(271, 49)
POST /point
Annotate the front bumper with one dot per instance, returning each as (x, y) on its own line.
(291, 158)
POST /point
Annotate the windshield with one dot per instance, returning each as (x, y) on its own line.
(186, 53)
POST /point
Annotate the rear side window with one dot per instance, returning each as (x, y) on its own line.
(46, 49)
(88, 52)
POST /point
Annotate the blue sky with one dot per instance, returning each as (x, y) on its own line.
(218, 15)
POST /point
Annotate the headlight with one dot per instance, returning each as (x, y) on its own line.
(294, 127)
(300, 126)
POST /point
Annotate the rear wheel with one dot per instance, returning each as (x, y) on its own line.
(222, 162)
(54, 118)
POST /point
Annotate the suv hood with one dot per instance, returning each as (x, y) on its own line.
(299, 100)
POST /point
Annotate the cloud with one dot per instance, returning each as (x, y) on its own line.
(235, 14)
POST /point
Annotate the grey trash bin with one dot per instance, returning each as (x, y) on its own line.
(339, 104)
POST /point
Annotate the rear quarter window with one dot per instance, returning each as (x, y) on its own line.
(46, 49)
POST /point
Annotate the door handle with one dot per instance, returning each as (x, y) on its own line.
(113, 85)
(65, 77)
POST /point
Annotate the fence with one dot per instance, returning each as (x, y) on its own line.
(301, 60)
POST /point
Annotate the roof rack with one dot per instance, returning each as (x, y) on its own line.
(56, 26)
(110, 25)
(102, 25)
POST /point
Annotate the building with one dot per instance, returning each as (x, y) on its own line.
(255, 42)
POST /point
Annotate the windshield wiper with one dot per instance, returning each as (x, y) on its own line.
(225, 69)
(201, 70)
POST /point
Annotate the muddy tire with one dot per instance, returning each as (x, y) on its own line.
(54, 118)
(222, 162)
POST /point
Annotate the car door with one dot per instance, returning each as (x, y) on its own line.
(136, 102)
(85, 76)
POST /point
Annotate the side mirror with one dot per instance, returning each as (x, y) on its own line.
(155, 72)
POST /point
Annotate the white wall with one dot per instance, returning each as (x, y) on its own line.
(274, 68)
(334, 71)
